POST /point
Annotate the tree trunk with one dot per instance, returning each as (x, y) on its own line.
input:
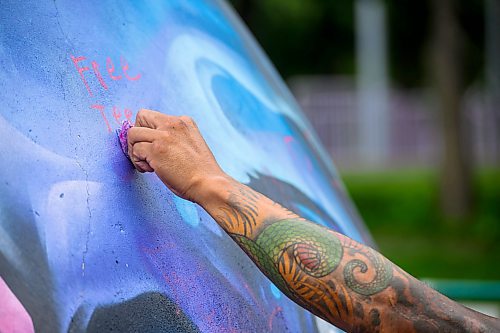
(447, 65)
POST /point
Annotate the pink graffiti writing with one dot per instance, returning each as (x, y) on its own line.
(116, 114)
(110, 67)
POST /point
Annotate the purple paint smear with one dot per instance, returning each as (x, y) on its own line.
(123, 136)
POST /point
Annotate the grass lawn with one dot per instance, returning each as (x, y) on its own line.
(401, 210)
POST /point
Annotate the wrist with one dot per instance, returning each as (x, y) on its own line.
(211, 190)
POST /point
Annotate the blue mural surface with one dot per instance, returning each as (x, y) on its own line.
(89, 244)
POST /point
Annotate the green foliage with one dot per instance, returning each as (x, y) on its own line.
(401, 211)
(303, 37)
(318, 36)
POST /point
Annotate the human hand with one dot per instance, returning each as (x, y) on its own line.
(175, 150)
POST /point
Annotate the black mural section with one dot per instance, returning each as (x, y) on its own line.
(147, 313)
(289, 197)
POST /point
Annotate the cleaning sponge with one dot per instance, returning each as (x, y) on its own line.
(123, 136)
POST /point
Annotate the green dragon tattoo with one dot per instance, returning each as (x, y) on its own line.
(333, 276)
(316, 250)
(383, 274)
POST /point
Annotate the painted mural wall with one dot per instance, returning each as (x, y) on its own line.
(87, 243)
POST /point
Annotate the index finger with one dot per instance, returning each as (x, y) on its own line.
(139, 134)
(151, 119)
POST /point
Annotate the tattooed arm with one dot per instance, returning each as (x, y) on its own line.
(346, 283)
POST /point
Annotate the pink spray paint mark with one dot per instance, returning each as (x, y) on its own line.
(13, 316)
(275, 313)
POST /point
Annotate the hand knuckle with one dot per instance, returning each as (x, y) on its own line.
(159, 147)
(187, 119)
(178, 121)
(164, 136)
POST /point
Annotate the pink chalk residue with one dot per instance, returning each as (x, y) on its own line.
(123, 136)
(13, 316)
(288, 139)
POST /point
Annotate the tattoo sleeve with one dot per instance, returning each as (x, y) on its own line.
(346, 283)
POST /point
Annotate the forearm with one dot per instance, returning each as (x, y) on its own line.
(336, 278)
(344, 282)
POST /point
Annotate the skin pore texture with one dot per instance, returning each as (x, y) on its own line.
(344, 282)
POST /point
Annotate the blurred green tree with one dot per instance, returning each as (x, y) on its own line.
(447, 73)
(436, 43)
(317, 36)
(303, 37)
